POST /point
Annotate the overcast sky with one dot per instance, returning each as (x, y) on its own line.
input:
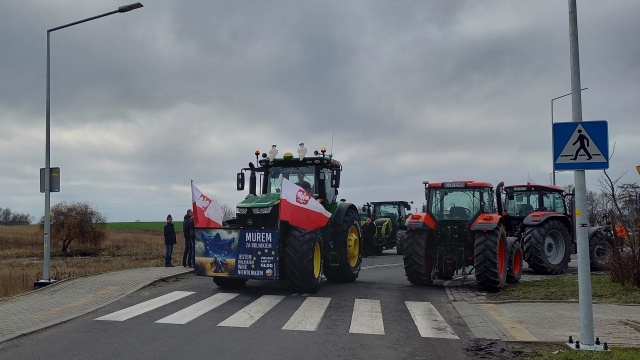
(399, 91)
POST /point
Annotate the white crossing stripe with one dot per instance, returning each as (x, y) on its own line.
(146, 306)
(200, 308)
(429, 321)
(252, 312)
(366, 317)
(308, 315)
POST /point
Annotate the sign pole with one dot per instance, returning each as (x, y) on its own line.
(581, 224)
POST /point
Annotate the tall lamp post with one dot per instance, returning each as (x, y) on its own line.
(552, 144)
(46, 276)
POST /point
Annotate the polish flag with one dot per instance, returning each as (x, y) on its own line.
(300, 209)
(206, 213)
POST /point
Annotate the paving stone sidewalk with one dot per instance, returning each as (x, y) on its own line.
(71, 298)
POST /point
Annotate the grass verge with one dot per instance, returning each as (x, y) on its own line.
(565, 288)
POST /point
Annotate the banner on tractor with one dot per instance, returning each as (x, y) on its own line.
(238, 253)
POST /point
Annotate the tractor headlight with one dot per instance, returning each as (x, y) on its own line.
(241, 211)
(266, 210)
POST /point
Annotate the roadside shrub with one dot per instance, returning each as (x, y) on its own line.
(76, 223)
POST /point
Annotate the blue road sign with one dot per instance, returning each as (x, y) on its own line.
(581, 145)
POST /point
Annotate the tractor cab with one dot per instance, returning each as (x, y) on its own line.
(522, 201)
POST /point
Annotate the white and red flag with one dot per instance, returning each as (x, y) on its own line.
(300, 209)
(206, 213)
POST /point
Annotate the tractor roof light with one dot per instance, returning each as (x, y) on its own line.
(287, 156)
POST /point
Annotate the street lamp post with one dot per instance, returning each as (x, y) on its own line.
(46, 276)
(552, 144)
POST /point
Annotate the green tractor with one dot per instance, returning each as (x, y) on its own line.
(460, 228)
(270, 247)
(389, 218)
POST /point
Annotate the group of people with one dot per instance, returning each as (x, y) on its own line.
(188, 257)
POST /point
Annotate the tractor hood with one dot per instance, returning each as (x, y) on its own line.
(260, 201)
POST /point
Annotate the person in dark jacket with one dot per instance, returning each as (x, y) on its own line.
(368, 233)
(169, 240)
(189, 239)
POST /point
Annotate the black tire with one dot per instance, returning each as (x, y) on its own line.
(399, 240)
(229, 283)
(490, 259)
(514, 262)
(304, 260)
(418, 257)
(548, 247)
(600, 250)
(347, 241)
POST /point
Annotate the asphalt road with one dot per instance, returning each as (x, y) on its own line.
(372, 318)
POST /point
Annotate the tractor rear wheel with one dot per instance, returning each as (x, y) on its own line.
(490, 259)
(599, 250)
(347, 240)
(418, 257)
(547, 247)
(229, 283)
(399, 239)
(304, 260)
(514, 262)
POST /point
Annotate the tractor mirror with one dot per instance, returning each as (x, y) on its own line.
(240, 181)
(335, 178)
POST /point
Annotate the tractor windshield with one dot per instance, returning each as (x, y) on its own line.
(386, 211)
(301, 176)
(458, 204)
(523, 202)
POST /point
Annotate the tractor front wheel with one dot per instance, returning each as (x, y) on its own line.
(304, 260)
(514, 268)
(399, 240)
(547, 247)
(490, 259)
(347, 240)
(418, 257)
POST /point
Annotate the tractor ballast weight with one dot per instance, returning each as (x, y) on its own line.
(269, 248)
(458, 229)
(389, 218)
(540, 218)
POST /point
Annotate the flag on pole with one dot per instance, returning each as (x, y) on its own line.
(300, 209)
(206, 213)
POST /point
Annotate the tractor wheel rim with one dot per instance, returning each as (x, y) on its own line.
(353, 246)
(317, 260)
(517, 262)
(554, 247)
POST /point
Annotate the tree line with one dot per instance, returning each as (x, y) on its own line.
(8, 217)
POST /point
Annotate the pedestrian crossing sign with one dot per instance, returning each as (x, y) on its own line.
(581, 145)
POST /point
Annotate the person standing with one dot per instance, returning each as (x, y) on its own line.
(368, 233)
(169, 240)
(189, 240)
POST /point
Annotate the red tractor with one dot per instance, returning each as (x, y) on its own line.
(540, 217)
(460, 228)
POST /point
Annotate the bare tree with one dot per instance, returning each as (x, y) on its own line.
(77, 222)
(624, 268)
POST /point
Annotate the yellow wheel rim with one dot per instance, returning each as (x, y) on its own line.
(353, 246)
(317, 260)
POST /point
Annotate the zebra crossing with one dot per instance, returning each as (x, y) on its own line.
(366, 315)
